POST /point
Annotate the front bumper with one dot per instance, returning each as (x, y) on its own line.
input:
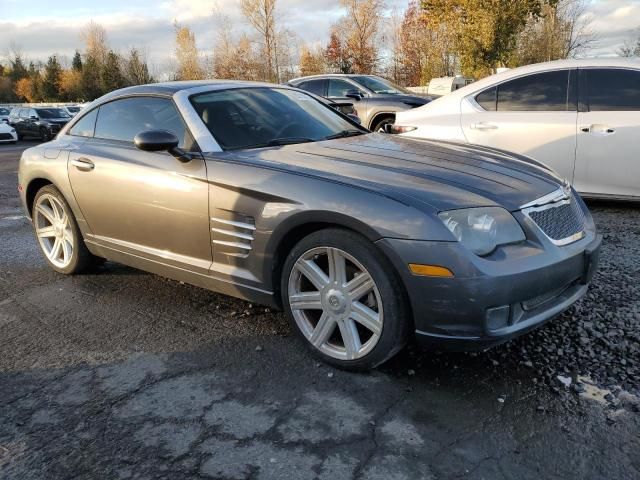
(8, 137)
(491, 300)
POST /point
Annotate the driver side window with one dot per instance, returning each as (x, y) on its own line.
(339, 88)
(123, 119)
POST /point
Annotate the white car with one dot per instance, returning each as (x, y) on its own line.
(72, 110)
(4, 114)
(579, 117)
(7, 133)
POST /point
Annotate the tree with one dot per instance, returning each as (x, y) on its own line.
(311, 62)
(561, 31)
(361, 30)
(76, 63)
(484, 32)
(90, 84)
(111, 74)
(629, 50)
(51, 80)
(70, 86)
(95, 38)
(335, 54)
(187, 54)
(25, 90)
(261, 15)
(136, 69)
(18, 70)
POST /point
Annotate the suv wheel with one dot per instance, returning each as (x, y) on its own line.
(344, 299)
(381, 123)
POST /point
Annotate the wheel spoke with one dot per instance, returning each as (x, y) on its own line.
(56, 249)
(305, 301)
(46, 212)
(313, 272)
(350, 337)
(323, 331)
(46, 232)
(360, 286)
(57, 211)
(337, 266)
(66, 250)
(366, 317)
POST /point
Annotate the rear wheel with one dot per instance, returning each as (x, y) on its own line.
(58, 234)
(345, 299)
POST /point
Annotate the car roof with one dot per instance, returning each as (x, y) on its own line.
(169, 88)
(329, 75)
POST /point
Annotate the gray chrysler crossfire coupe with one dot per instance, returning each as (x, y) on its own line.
(264, 193)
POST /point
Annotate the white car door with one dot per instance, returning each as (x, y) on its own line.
(534, 115)
(608, 153)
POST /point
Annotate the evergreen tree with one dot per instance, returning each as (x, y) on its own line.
(137, 71)
(90, 82)
(112, 78)
(76, 63)
(51, 80)
(18, 70)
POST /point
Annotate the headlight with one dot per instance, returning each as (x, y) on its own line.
(481, 230)
(13, 130)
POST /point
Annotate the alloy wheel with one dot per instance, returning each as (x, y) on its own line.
(335, 303)
(53, 229)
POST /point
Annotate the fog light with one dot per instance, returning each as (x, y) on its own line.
(430, 270)
(497, 317)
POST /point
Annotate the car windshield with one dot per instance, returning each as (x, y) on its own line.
(380, 85)
(73, 109)
(245, 118)
(51, 113)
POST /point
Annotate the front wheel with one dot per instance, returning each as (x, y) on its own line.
(58, 234)
(44, 135)
(380, 125)
(345, 299)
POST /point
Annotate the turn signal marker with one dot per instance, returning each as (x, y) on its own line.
(430, 270)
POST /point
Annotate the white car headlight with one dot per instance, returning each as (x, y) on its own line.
(482, 229)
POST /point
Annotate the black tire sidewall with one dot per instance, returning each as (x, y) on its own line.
(397, 320)
(384, 121)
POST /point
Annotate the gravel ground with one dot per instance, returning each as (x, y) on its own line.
(123, 374)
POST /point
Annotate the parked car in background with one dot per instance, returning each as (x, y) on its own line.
(265, 193)
(7, 133)
(377, 100)
(72, 110)
(4, 114)
(580, 117)
(40, 122)
(445, 85)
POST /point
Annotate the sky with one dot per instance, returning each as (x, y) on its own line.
(42, 27)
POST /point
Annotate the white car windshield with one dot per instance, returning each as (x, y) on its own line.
(245, 118)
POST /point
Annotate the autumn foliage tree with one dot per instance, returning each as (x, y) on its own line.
(484, 32)
(336, 55)
(189, 67)
(311, 62)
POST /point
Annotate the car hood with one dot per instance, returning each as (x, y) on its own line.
(442, 175)
(414, 100)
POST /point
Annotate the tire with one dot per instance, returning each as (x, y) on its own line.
(44, 135)
(379, 125)
(58, 235)
(353, 320)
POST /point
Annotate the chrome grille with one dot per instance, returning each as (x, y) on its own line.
(561, 221)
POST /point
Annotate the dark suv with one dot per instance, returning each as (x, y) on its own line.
(41, 122)
(376, 100)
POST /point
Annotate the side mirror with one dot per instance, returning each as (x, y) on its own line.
(160, 141)
(355, 94)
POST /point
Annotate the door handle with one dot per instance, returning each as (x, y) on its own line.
(483, 126)
(83, 164)
(599, 129)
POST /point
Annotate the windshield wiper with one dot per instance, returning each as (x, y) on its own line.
(288, 141)
(343, 134)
